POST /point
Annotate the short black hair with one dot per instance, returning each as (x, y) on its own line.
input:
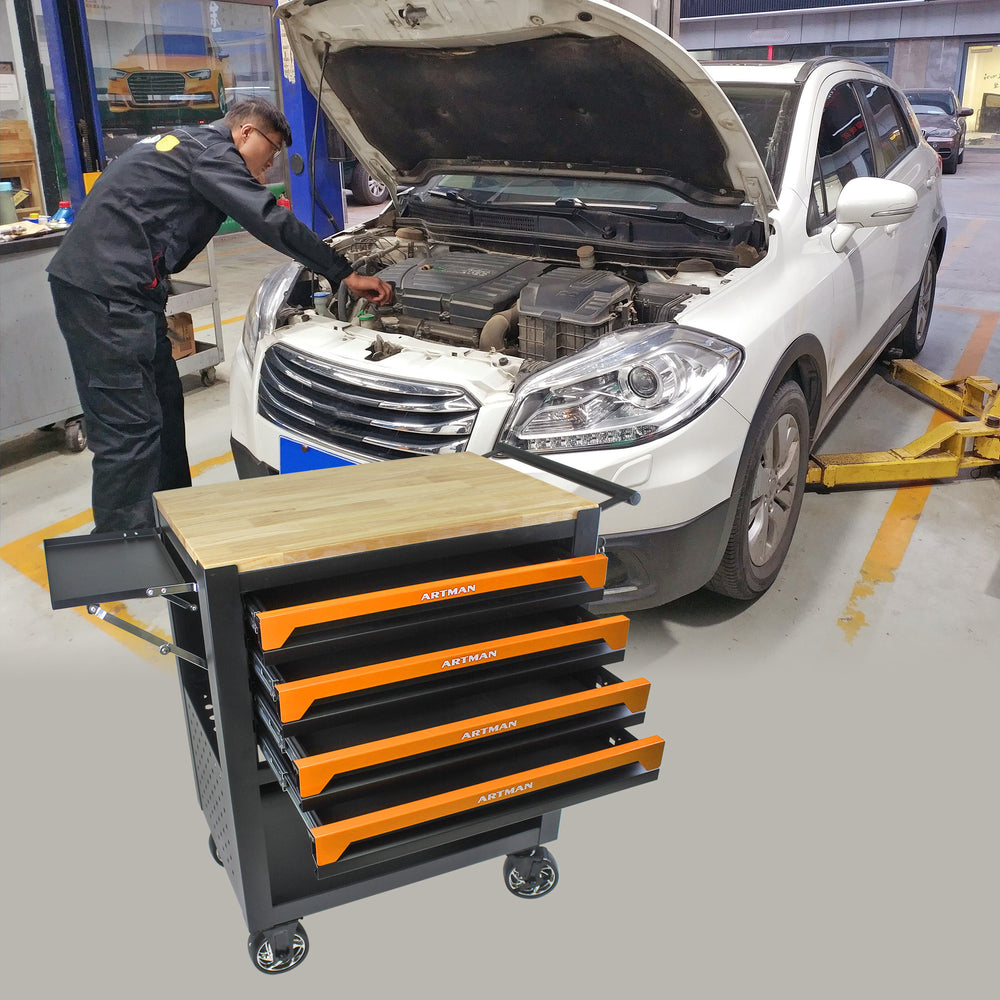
(257, 111)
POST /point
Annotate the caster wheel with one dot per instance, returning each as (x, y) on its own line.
(75, 436)
(530, 875)
(214, 850)
(208, 376)
(264, 956)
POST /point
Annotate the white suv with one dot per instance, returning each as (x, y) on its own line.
(658, 273)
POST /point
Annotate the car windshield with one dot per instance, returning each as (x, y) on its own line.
(932, 104)
(766, 111)
(498, 189)
(173, 45)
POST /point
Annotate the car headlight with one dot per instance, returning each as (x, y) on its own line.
(628, 388)
(199, 74)
(262, 313)
(941, 133)
(116, 74)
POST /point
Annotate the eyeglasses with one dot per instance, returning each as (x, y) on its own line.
(276, 146)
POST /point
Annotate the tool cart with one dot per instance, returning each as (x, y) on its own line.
(388, 671)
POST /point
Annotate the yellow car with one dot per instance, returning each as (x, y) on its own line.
(171, 70)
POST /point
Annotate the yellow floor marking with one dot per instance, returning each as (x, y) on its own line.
(893, 537)
(211, 326)
(961, 242)
(27, 556)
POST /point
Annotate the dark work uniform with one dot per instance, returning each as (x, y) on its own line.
(149, 215)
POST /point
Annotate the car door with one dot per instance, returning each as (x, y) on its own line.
(896, 146)
(862, 273)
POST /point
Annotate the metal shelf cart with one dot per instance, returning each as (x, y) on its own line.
(388, 672)
(186, 295)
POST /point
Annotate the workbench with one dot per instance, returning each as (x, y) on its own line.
(37, 388)
(388, 672)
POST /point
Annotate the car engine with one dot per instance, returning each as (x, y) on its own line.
(537, 310)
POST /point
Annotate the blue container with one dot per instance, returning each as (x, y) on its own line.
(64, 214)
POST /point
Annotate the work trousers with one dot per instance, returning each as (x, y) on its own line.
(131, 397)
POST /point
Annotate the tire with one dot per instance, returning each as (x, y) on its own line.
(367, 190)
(543, 877)
(223, 104)
(262, 954)
(75, 435)
(951, 166)
(911, 341)
(961, 153)
(771, 482)
(214, 851)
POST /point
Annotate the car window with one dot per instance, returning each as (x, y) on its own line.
(892, 128)
(174, 45)
(766, 111)
(843, 153)
(932, 103)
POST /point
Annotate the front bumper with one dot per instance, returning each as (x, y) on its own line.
(248, 467)
(645, 568)
(650, 568)
(945, 148)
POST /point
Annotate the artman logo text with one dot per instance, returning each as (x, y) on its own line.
(504, 792)
(438, 595)
(459, 661)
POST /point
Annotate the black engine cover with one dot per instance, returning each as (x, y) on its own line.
(461, 288)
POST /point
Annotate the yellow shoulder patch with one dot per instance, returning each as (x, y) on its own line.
(167, 143)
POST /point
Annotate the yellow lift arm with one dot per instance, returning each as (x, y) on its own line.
(971, 441)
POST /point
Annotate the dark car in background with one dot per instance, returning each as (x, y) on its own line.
(942, 120)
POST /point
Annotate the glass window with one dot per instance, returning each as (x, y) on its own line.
(767, 113)
(164, 64)
(892, 126)
(843, 153)
(981, 92)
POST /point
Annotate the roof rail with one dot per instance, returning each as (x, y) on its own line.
(810, 64)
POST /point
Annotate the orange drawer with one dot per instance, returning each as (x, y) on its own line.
(296, 697)
(331, 840)
(316, 771)
(276, 625)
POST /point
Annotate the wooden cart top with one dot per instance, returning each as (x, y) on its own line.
(278, 520)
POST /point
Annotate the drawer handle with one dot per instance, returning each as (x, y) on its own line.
(316, 771)
(278, 624)
(332, 839)
(296, 697)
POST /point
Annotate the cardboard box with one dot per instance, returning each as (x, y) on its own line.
(180, 330)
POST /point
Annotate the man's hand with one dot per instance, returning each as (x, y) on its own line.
(369, 287)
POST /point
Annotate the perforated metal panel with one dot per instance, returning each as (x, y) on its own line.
(211, 784)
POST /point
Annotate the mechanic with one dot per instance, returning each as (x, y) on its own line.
(151, 212)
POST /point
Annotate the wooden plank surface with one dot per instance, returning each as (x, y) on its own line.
(277, 520)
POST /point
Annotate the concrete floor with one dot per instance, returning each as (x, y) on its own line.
(825, 824)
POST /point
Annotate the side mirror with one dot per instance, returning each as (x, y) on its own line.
(867, 202)
(965, 112)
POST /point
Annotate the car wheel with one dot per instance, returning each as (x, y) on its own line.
(771, 482)
(911, 341)
(222, 97)
(961, 154)
(366, 189)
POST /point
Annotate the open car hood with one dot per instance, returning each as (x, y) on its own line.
(549, 86)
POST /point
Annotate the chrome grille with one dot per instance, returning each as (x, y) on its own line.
(147, 87)
(363, 415)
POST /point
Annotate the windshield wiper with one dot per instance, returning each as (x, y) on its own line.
(453, 196)
(692, 222)
(577, 207)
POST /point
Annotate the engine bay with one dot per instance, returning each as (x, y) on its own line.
(539, 310)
